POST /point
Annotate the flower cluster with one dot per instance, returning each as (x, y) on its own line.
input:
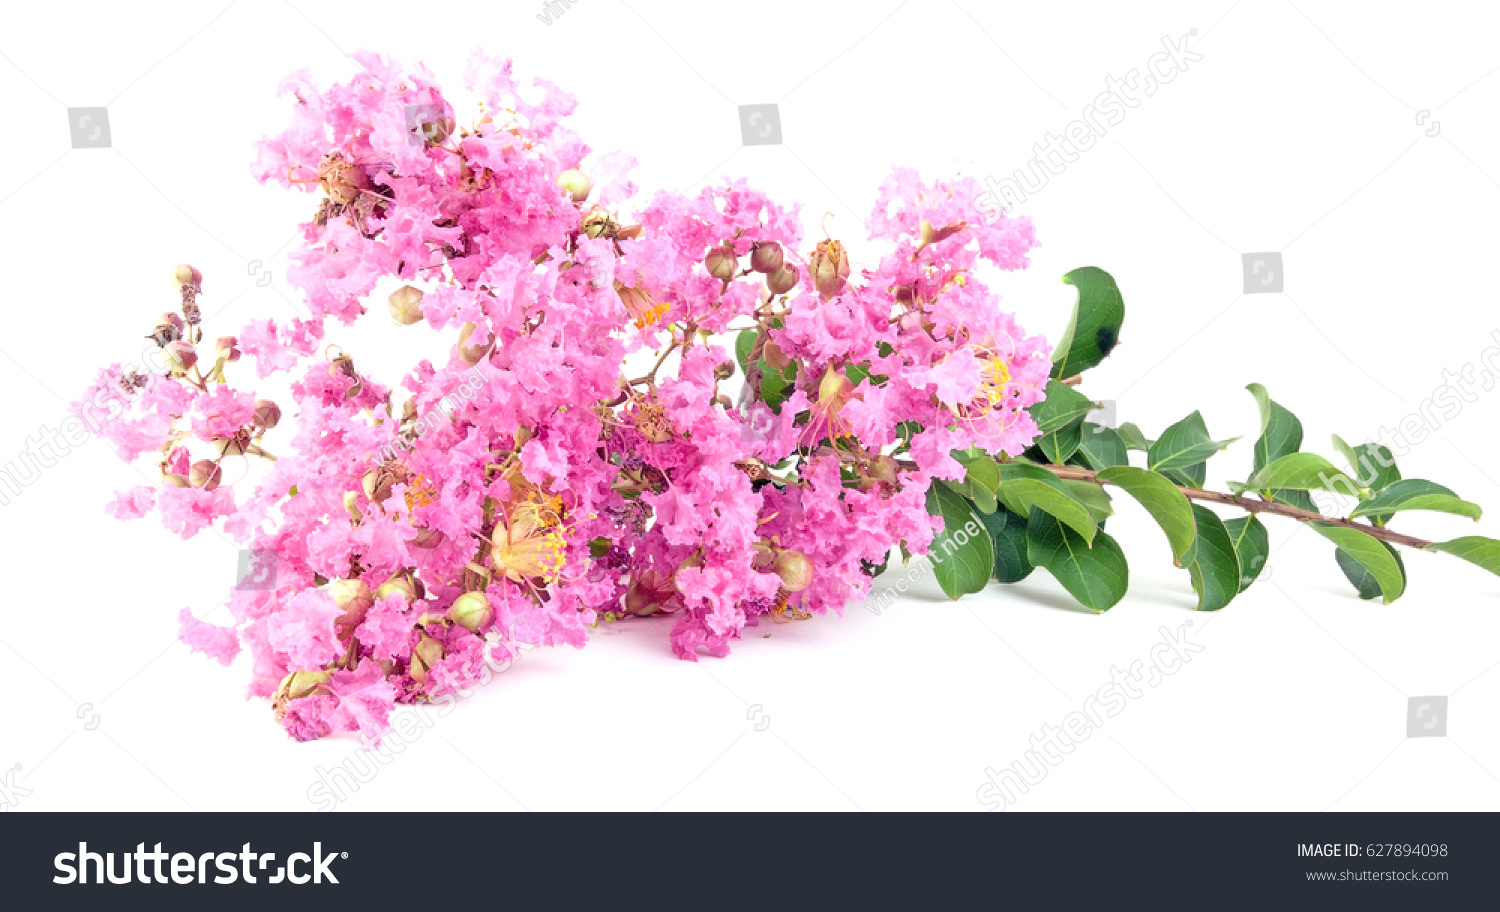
(776, 439)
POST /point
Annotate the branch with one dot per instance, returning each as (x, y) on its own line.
(1074, 473)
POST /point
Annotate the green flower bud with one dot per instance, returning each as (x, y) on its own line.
(795, 570)
(471, 611)
(353, 596)
(576, 183)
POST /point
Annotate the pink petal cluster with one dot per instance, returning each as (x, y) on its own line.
(545, 477)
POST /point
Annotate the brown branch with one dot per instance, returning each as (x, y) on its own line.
(1075, 473)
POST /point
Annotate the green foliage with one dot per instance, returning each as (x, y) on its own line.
(1095, 325)
(1096, 576)
(962, 554)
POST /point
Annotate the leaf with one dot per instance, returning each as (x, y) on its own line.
(1476, 549)
(1134, 439)
(1215, 569)
(1096, 576)
(1094, 327)
(1189, 476)
(1102, 447)
(1416, 494)
(1008, 533)
(1184, 444)
(1059, 446)
(1363, 581)
(1251, 545)
(963, 553)
(1023, 487)
(1370, 553)
(1093, 497)
(775, 385)
(1302, 472)
(1280, 431)
(1063, 406)
(1163, 501)
(1372, 464)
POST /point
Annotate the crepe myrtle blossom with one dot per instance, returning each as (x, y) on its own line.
(565, 489)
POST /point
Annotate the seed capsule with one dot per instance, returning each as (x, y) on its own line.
(830, 268)
(267, 413)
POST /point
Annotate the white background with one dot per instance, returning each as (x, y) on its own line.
(1297, 132)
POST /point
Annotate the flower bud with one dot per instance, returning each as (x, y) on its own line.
(377, 485)
(576, 183)
(406, 305)
(724, 370)
(186, 275)
(830, 268)
(175, 480)
(471, 611)
(401, 585)
(766, 257)
(722, 263)
(795, 570)
(230, 446)
(774, 356)
(227, 348)
(351, 507)
(301, 684)
(354, 598)
(205, 474)
(179, 356)
(472, 354)
(783, 279)
(428, 538)
(167, 318)
(267, 413)
(427, 653)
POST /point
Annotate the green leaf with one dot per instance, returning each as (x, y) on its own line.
(1372, 464)
(1023, 487)
(1059, 446)
(1189, 476)
(1102, 447)
(1251, 545)
(1371, 554)
(775, 385)
(1416, 494)
(1008, 533)
(1134, 439)
(1280, 431)
(1184, 444)
(1094, 327)
(1215, 569)
(1476, 549)
(1093, 497)
(1063, 406)
(1163, 501)
(963, 553)
(1096, 576)
(1302, 472)
(1363, 581)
